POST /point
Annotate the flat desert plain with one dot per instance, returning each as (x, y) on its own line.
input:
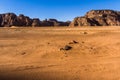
(36, 54)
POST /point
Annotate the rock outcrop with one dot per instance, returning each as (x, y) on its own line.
(23, 20)
(98, 18)
(54, 22)
(11, 19)
(0, 20)
(36, 22)
(8, 19)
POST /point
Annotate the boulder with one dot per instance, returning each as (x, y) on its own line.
(73, 42)
(66, 48)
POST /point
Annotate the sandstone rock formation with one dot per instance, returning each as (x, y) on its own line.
(23, 21)
(54, 22)
(11, 19)
(98, 18)
(8, 19)
(0, 20)
(36, 22)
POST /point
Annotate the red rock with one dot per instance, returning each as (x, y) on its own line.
(98, 18)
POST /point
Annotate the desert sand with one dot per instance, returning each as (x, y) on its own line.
(34, 53)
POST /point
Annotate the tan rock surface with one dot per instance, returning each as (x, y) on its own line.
(98, 18)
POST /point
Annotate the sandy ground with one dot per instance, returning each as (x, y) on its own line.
(34, 53)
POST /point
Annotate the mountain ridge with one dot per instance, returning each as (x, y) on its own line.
(103, 17)
(11, 19)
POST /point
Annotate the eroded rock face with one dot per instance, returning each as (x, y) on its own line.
(98, 18)
(11, 19)
(8, 19)
(0, 19)
(47, 23)
(24, 20)
(54, 22)
(36, 22)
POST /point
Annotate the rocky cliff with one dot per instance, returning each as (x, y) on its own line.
(11, 19)
(98, 18)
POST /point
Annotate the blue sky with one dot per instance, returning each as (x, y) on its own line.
(60, 9)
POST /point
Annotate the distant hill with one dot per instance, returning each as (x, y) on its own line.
(98, 18)
(11, 19)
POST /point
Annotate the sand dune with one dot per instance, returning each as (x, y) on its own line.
(34, 53)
